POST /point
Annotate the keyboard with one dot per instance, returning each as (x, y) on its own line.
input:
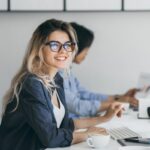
(122, 133)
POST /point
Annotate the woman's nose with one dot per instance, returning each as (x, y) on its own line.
(62, 50)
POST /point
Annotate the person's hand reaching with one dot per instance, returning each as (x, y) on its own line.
(96, 130)
(115, 109)
(129, 97)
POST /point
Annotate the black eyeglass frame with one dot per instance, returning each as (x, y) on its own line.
(72, 46)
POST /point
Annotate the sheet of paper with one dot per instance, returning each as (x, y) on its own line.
(144, 103)
(144, 84)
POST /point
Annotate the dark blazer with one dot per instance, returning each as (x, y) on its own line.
(33, 126)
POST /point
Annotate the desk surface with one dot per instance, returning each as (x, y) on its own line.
(130, 120)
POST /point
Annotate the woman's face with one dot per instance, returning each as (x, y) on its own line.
(81, 56)
(60, 59)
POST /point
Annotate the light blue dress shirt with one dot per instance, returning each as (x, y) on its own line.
(80, 102)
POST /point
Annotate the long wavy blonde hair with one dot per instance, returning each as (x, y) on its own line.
(33, 60)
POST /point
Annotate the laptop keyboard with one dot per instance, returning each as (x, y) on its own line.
(122, 133)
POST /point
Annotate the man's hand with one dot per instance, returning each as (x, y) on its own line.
(132, 92)
(129, 97)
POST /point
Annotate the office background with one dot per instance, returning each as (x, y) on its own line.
(120, 52)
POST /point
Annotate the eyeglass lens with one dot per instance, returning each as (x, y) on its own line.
(56, 46)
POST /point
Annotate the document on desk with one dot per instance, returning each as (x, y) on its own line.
(134, 148)
(144, 85)
(144, 103)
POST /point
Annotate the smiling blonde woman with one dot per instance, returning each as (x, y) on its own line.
(35, 115)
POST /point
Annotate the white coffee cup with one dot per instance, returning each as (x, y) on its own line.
(98, 140)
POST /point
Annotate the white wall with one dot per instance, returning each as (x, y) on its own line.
(121, 49)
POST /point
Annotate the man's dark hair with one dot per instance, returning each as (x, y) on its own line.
(85, 36)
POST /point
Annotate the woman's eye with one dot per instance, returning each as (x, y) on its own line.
(67, 46)
(54, 46)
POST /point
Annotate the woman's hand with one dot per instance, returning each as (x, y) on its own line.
(83, 135)
(115, 109)
(96, 130)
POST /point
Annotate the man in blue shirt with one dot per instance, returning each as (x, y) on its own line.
(80, 101)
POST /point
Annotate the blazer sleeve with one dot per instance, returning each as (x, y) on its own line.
(39, 116)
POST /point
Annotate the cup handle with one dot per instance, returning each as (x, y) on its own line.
(90, 142)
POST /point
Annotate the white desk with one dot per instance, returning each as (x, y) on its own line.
(141, 126)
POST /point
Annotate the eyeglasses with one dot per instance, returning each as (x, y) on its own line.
(56, 46)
